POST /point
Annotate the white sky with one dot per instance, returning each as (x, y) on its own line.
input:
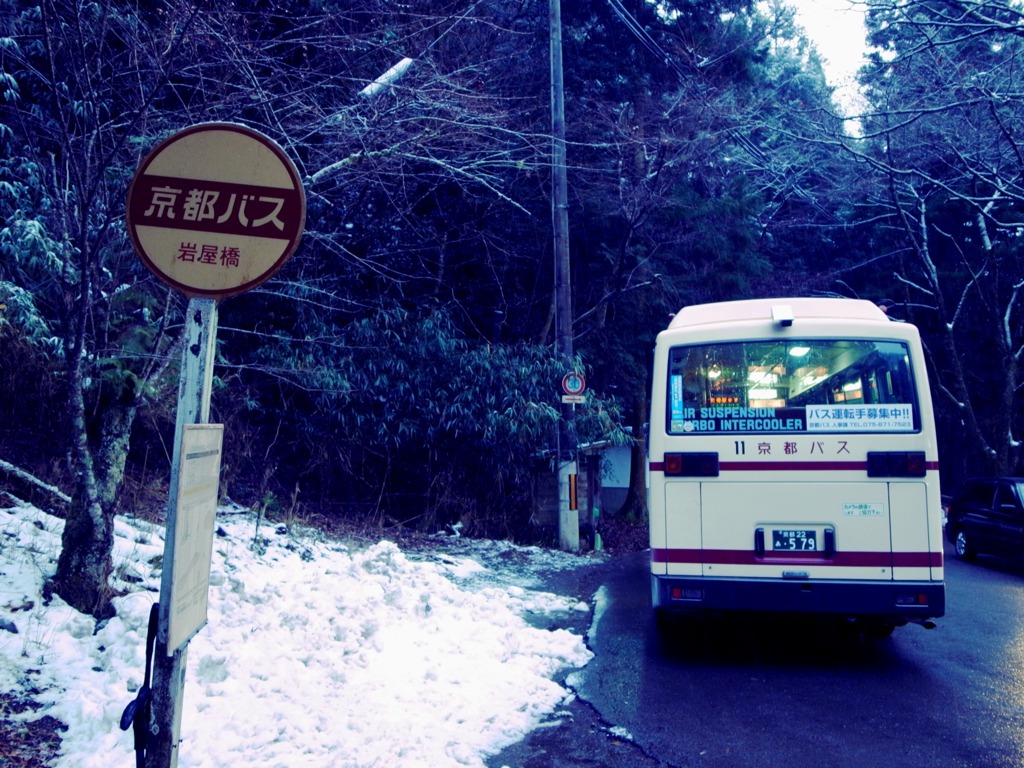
(314, 655)
(837, 29)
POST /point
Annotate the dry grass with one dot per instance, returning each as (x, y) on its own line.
(27, 744)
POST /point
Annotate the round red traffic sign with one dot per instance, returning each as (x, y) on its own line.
(216, 209)
(573, 383)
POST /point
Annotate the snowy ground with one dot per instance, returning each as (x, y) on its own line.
(316, 653)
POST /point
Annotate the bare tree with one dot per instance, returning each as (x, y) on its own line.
(81, 77)
(942, 141)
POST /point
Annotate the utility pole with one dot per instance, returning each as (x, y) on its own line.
(568, 515)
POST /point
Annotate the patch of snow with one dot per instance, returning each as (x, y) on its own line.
(315, 654)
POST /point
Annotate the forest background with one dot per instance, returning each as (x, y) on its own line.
(400, 369)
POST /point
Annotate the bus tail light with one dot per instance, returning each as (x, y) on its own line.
(912, 598)
(897, 464)
(686, 593)
(691, 464)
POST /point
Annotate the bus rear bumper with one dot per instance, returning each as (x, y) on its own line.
(896, 601)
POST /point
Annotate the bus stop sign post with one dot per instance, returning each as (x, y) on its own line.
(168, 661)
(214, 210)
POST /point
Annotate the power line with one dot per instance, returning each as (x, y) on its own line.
(644, 36)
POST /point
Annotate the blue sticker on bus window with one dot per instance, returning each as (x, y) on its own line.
(676, 396)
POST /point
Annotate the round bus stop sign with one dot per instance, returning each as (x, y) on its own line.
(216, 209)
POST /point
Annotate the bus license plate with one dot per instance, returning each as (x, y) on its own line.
(790, 540)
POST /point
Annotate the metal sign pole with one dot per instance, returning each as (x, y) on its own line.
(193, 408)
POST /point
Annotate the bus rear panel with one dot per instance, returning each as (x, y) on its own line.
(793, 465)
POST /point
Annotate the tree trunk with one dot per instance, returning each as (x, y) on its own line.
(85, 563)
(635, 505)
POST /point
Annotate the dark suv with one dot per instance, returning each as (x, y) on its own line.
(987, 516)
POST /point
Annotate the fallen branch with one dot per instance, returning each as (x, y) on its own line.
(56, 502)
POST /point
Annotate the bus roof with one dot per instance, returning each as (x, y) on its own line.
(782, 311)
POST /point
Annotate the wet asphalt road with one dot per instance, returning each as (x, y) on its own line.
(769, 692)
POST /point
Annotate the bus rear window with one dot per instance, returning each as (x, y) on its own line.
(808, 385)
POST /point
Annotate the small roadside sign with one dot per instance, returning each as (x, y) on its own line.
(573, 384)
(216, 209)
(574, 399)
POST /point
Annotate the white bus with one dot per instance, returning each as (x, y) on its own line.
(793, 465)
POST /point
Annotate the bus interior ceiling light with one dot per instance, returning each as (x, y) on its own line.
(782, 315)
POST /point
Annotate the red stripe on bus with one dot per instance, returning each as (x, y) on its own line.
(842, 559)
(796, 466)
(791, 466)
(917, 559)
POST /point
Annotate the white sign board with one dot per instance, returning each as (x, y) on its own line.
(198, 486)
(898, 417)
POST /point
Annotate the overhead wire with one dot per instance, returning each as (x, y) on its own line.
(652, 45)
(644, 36)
